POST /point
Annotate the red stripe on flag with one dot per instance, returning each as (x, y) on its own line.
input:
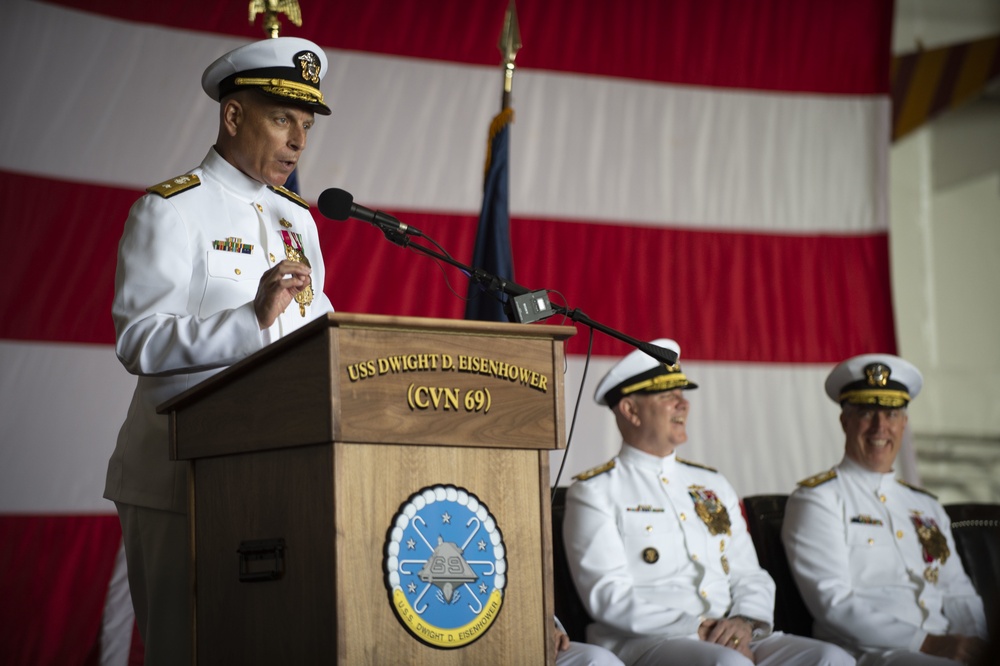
(54, 572)
(827, 46)
(67, 242)
(725, 296)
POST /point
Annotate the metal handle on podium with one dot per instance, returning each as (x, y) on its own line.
(261, 551)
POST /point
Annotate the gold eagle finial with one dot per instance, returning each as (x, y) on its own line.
(270, 9)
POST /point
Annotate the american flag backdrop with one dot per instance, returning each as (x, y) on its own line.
(714, 171)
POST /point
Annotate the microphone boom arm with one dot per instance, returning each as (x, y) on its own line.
(495, 284)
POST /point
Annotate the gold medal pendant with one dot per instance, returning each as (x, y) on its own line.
(295, 252)
(934, 543)
(710, 509)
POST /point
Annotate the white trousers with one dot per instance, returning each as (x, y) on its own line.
(902, 658)
(777, 649)
(585, 654)
(158, 559)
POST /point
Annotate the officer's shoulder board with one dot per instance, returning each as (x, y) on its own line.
(291, 196)
(818, 479)
(698, 465)
(174, 186)
(591, 473)
(916, 488)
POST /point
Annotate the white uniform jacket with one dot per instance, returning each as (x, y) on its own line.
(851, 536)
(188, 270)
(644, 560)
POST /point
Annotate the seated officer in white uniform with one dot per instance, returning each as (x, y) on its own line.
(658, 547)
(212, 265)
(873, 557)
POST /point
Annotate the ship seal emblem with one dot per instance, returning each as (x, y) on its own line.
(445, 566)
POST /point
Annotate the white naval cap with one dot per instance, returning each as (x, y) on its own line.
(286, 68)
(883, 380)
(639, 372)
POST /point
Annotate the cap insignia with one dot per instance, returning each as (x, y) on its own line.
(818, 479)
(878, 374)
(591, 473)
(310, 64)
(169, 188)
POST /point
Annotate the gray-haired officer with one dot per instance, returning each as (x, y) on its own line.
(212, 266)
(873, 557)
(658, 547)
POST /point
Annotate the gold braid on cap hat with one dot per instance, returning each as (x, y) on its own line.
(284, 88)
(875, 390)
(658, 383)
(880, 397)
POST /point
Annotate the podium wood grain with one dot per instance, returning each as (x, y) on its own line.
(328, 470)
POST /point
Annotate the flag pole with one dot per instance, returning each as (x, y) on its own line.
(272, 27)
(492, 251)
(509, 44)
(270, 9)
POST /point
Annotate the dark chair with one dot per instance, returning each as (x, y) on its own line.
(764, 515)
(976, 528)
(569, 607)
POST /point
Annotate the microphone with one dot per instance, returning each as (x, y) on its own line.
(337, 204)
(661, 354)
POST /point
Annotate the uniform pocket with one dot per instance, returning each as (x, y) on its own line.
(232, 281)
(234, 266)
(654, 540)
(872, 552)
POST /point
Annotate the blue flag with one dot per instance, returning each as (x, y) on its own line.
(492, 252)
(292, 183)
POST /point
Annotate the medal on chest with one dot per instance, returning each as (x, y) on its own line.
(710, 510)
(295, 252)
(935, 546)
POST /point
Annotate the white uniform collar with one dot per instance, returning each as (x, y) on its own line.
(633, 456)
(877, 481)
(230, 178)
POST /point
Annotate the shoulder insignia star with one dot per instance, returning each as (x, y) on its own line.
(818, 479)
(916, 488)
(169, 188)
(291, 196)
(591, 473)
(699, 465)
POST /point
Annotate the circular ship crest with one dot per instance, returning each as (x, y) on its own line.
(445, 565)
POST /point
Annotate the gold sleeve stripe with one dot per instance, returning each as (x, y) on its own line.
(591, 473)
(291, 196)
(819, 479)
(169, 188)
(699, 465)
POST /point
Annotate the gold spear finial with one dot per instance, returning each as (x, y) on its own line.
(510, 42)
(270, 9)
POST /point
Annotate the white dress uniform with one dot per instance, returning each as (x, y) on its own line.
(876, 563)
(188, 270)
(189, 266)
(658, 545)
(190, 263)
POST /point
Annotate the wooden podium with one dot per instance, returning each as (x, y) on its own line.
(375, 490)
